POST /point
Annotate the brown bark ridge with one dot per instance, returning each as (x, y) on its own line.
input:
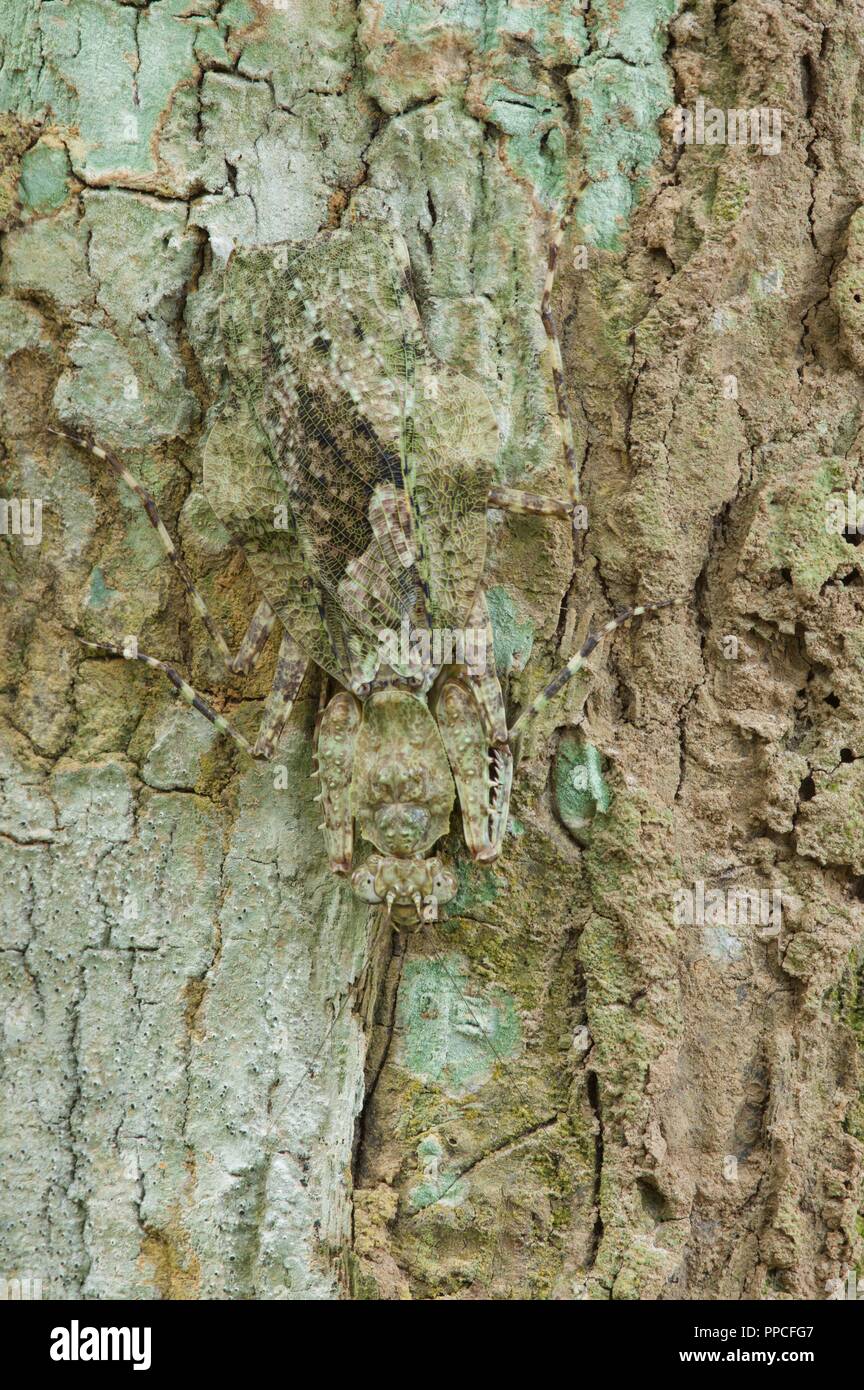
(626, 1063)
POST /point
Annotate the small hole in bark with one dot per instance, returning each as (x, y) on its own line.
(832, 700)
(856, 888)
(654, 1203)
(846, 755)
(807, 789)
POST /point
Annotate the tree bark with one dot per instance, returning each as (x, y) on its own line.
(223, 1078)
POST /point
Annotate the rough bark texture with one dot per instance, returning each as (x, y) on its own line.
(221, 1079)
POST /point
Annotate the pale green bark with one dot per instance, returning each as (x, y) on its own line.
(540, 1098)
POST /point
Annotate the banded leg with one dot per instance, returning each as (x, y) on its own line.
(249, 649)
(565, 423)
(291, 667)
(184, 690)
(513, 499)
(255, 639)
(528, 503)
(290, 670)
(579, 658)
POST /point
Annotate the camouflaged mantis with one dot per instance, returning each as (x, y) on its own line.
(354, 470)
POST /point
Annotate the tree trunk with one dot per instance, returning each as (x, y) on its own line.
(608, 1073)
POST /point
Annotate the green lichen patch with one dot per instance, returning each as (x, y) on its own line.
(581, 790)
(180, 745)
(48, 258)
(477, 885)
(534, 122)
(441, 1182)
(267, 43)
(512, 635)
(622, 90)
(100, 594)
(799, 536)
(21, 327)
(142, 63)
(453, 1030)
(134, 391)
(44, 182)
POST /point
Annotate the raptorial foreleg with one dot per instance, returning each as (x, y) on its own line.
(483, 777)
(480, 673)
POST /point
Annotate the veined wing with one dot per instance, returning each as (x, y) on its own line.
(342, 342)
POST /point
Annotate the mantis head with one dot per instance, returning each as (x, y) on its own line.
(402, 793)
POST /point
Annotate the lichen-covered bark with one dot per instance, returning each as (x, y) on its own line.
(222, 1080)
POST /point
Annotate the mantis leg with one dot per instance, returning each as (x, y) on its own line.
(479, 672)
(184, 690)
(337, 740)
(579, 658)
(262, 622)
(513, 499)
(255, 639)
(483, 778)
(290, 670)
(473, 723)
(291, 667)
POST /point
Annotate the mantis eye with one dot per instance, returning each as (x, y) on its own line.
(363, 883)
(444, 885)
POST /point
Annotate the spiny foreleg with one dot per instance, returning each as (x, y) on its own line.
(482, 679)
(483, 778)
